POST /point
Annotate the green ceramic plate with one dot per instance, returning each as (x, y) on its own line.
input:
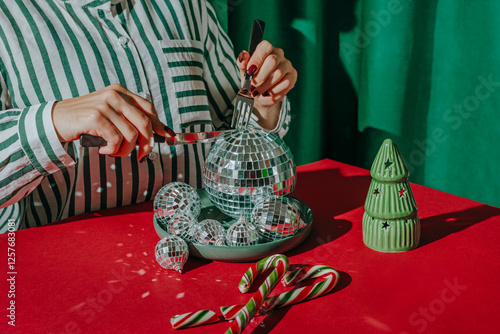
(244, 253)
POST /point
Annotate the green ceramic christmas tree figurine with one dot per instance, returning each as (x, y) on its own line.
(390, 222)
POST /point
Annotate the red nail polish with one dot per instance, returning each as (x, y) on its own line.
(142, 160)
(241, 57)
(266, 94)
(255, 92)
(251, 70)
(170, 132)
(252, 87)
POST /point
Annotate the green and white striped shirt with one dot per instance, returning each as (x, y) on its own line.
(171, 52)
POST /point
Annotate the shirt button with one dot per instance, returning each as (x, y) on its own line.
(153, 156)
(123, 40)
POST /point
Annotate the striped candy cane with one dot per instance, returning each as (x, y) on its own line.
(194, 319)
(330, 275)
(242, 318)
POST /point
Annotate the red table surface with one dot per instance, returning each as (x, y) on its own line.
(97, 273)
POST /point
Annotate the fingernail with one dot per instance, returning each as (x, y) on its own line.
(241, 57)
(255, 92)
(252, 70)
(152, 142)
(266, 94)
(142, 159)
(252, 88)
(170, 132)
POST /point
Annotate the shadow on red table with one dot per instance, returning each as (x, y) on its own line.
(437, 227)
(329, 193)
(195, 263)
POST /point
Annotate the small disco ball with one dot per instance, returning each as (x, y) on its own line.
(276, 217)
(180, 225)
(171, 253)
(209, 232)
(176, 198)
(242, 233)
(245, 165)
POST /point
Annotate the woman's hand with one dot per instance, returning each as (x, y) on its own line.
(122, 118)
(274, 77)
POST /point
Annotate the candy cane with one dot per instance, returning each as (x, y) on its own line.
(242, 318)
(330, 275)
(194, 319)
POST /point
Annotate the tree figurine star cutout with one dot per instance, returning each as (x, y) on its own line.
(388, 164)
(390, 221)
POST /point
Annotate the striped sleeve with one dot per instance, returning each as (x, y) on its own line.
(220, 73)
(10, 218)
(29, 149)
(223, 78)
(39, 141)
(283, 121)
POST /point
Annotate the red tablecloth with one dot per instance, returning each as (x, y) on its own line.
(98, 274)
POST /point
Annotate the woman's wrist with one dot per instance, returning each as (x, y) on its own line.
(268, 117)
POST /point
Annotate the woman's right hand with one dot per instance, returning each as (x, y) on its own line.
(122, 118)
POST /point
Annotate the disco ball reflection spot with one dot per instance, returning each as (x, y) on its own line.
(245, 165)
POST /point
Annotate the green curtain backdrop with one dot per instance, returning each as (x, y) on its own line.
(424, 73)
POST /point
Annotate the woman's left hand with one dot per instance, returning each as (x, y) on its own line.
(273, 77)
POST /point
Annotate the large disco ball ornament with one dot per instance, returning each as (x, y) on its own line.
(245, 165)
